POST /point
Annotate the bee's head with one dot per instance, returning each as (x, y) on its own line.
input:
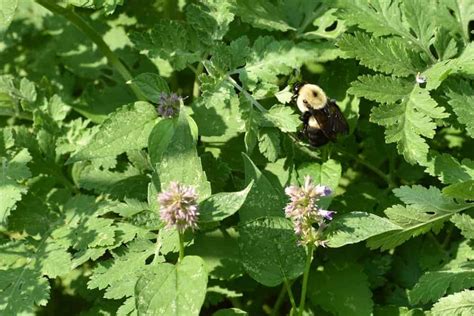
(310, 96)
(296, 90)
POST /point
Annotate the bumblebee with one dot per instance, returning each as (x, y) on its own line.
(322, 119)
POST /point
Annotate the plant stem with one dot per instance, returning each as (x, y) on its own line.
(290, 294)
(247, 95)
(196, 86)
(95, 37)
(279, 301)
(181, 247)
(305, 279)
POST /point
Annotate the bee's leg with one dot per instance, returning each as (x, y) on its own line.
(305, 117)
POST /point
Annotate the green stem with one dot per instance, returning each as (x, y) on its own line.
(309, 258)
(181, 247)
(95, 37)
(290, 294)
(196, 86)
(279, 301)
(247, 95)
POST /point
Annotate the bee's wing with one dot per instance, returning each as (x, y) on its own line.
(331, 120)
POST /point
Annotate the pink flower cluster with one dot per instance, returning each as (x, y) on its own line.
(168, 105)
(178, 207)
(304, 211)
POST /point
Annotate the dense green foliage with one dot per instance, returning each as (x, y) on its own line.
(84, 155)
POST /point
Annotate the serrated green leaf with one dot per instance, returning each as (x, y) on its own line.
(262, 14)
(448, 170)
(380, 88)
(126, 129)
(463, 190)
(355, 227)
(426, 198)
(108, 6)
(408, 121)
(15, 300)
(12, 173)
(388, 55)
(167, 289)
(341, 289)
(152, 85)
(461, 303)
(465, 223)
(217, 111)
(458, 13)
(269, 143)
(222, 205)
(173, 41)
(160, 138)
(263, 199)
(119, 276)
(461, 98)
(264, 247)
(211, 18)
(435, 284)
(284, 118)
(427, 210)
(269, 58)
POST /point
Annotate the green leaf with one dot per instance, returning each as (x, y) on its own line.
(263, 199)
(380, 17)
(167, 289)
(284, 118)
(408, 121)
(461, 97)
(388, 55)
(465, 223)
(217, 111)
(355, 227)
(269, 143)
(461, 303)
(435, 284)
(173, 41)
(126, 129)
(270, 58)
(264, 247)
(108, 6)
(15, 300)
(448, 170)
(262, 14)
(380, 88)
(13, 172)
(459, 13)
(180, 161)
(160, 138)
(222, 205)
(341, 289)
(7, 12)
(462, 190)
(152, 85)
(426, 210)
(119, 276)
(211, 18)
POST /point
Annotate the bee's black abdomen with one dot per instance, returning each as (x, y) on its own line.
(316, 137)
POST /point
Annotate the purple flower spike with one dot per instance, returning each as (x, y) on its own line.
(303, 211)
(168, 104)
(178, 207)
